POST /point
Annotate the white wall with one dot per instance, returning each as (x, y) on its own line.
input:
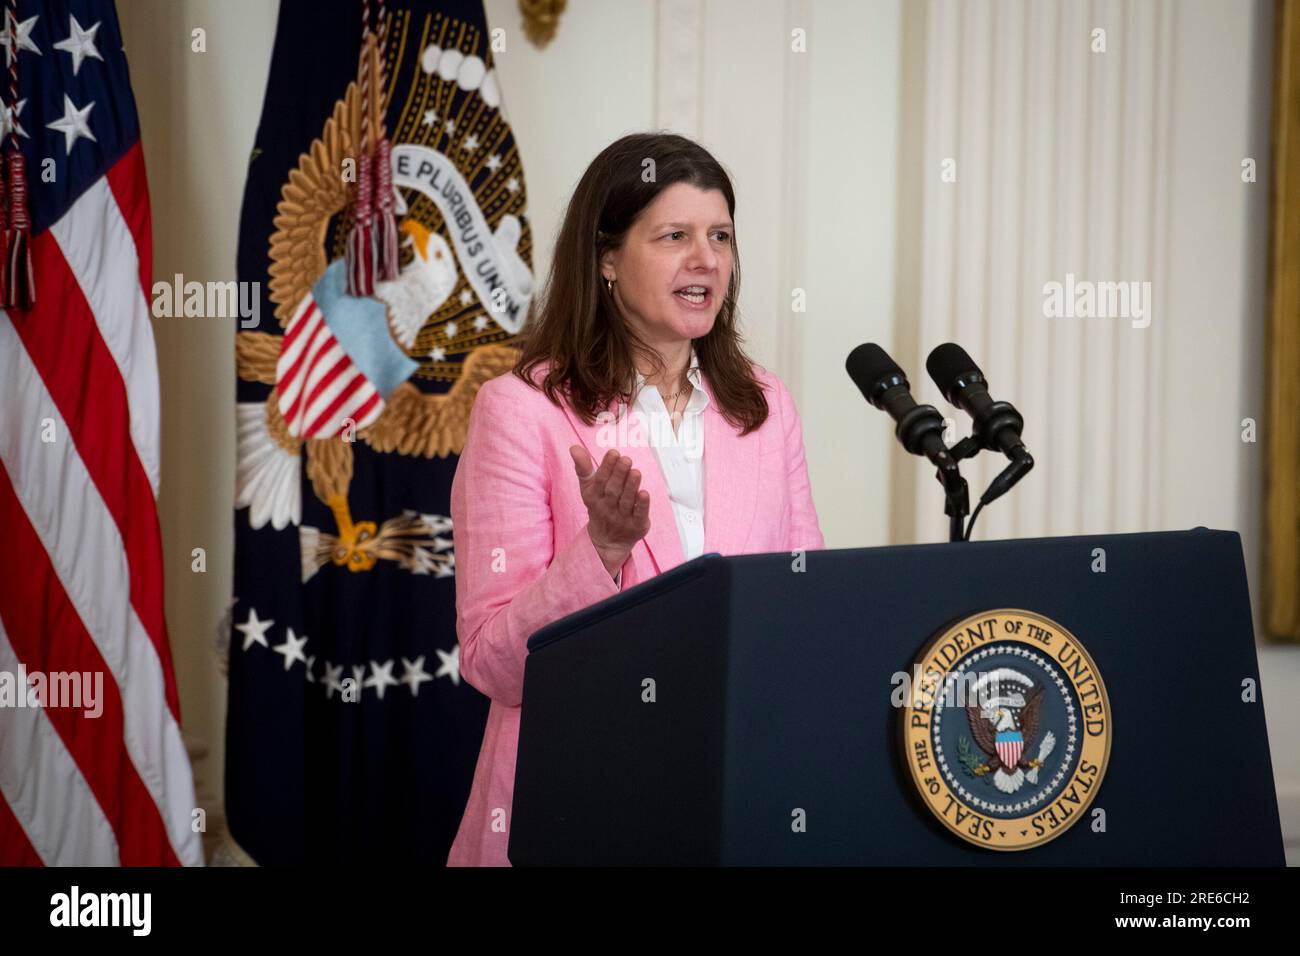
(198, 115)
(850, 251)
(830, 151)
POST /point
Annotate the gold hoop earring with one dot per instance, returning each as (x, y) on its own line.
(609, 286)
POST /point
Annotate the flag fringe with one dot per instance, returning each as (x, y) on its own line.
(361, 252)
(373, 248)
(387, 224)
(16, 278)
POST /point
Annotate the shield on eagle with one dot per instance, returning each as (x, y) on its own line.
(1009, 744)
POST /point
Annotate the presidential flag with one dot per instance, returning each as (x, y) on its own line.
(384, 216)
(92, 767)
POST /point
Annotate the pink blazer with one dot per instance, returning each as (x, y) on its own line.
(524, 559)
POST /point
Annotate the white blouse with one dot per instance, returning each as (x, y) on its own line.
(680, 456)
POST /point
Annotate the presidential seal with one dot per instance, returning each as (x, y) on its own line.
(1007, 729)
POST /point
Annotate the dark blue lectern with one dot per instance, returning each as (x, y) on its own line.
(771, 691)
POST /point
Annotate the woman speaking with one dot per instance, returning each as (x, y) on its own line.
(633, 435)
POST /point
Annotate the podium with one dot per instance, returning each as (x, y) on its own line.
(737, 710)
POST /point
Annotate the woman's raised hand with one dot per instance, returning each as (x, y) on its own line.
(618, 513)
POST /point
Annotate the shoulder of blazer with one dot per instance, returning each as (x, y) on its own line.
(513, 393)
(778, 396)
(769, 380)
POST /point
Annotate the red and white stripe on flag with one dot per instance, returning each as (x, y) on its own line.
(81, 576)
(321, 389)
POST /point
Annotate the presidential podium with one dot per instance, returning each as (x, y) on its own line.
(745, 711)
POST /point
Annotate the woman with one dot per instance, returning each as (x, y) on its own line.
(633, 361)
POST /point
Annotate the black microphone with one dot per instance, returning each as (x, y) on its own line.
(997, 424)
(919, 428)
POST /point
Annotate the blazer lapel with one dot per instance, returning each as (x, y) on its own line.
(731, 470)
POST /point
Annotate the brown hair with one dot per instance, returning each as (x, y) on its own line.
(578, 328)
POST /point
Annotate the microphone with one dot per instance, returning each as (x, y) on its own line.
(997, 424)
(919, 428)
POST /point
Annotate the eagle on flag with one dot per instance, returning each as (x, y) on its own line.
(348, 358)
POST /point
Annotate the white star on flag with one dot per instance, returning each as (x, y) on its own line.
(80, 43)
(415, 675)
(24, 39)
(450, 665)
(9, 121)
(381, 677)
(73, 123)
(254, 631)
(291, 649)
(332, 682)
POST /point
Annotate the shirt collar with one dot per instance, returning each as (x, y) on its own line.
(699, 398)
(693, 373)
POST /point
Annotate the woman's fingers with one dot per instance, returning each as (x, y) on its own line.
(582, 463)
(607, 466)
(613, 489)
(641, 515)
(588, 474)
(627, 499)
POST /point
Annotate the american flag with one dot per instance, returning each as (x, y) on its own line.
(81, 573)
